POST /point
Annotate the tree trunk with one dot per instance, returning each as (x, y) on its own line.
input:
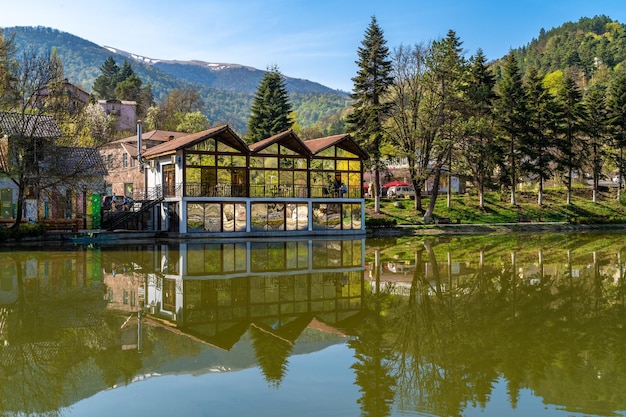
(377, 190)
(620, 174)
(569, 187)
(481, 196)
(540, 193)
(433, 196)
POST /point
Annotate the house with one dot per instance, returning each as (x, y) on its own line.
(57, 181)
(124, 113)
(124, 176)
(74, 97)
(211, 183)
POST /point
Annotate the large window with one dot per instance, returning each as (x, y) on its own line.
(277, 171)
(336, 172)
(216, 217)
(215, 169)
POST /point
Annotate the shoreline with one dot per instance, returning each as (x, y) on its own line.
(129, 237)
(489, 228)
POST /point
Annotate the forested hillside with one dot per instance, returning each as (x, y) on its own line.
(227, 92)
(585, 49)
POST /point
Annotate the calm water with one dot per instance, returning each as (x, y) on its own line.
(515, 325)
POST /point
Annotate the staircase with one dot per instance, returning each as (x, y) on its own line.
(123, 218)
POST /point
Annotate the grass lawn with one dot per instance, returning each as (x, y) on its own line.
(464, 209)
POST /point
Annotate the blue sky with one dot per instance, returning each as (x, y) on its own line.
(313, 39)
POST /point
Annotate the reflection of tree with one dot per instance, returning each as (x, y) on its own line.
(373, 368)
(557, 333)
(271, 354)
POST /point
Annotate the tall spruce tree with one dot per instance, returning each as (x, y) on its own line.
(616, 106)
(570, 145)
(371, 83)
(511, 112)
(105, 84)
(596, 122)
(446, 69)
(542, 109)
(477, 156)
(269, 114)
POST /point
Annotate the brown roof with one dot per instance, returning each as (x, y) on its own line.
(343, 141)
(152, 135)
(29, 126)
(224, 132)
(287, 138)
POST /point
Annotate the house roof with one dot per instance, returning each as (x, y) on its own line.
(77, 161)
(37, 126)
(287, 138)
(152, 135)
(223, 132)
(343, 141)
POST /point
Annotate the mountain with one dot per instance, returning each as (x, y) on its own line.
(227, 89)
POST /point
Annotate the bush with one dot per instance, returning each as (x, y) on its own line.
(374, 223)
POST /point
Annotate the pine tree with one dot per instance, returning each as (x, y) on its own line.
(105, 84)
(596, 132)
(616, 104)
(570, 146)
(269, 113)
(477, 153)
(510, 110)
(372, 81)
(542, 109)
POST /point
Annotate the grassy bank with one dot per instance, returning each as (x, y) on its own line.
(464, 209)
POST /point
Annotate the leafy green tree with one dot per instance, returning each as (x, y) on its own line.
(193, 122)
(407, 127)
(269, 114)
(369, 110)
(511, 113)
(570, 145)
(174, 110)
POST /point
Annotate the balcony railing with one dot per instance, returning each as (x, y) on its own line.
(256, 191)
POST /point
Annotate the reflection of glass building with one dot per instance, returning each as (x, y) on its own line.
(215, 291)
(213, 183)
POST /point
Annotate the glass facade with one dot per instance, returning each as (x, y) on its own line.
(282, 189)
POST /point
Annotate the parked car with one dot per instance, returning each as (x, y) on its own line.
(116, 202)
(401, 191)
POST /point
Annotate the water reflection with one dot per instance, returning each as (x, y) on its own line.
(435, 325)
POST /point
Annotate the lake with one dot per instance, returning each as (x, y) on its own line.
(487, 325)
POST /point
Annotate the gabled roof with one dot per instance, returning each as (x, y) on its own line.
(287, 138)
(223, 132)
(343, 141)
(36, 126)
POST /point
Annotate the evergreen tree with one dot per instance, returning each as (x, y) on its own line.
(570, 146)
(510, 110)
(105, 84)
(616, 108)
(477, 155)
(371, 83)
(446, 69)
(269, 114)
(541, 123)
(596, 132)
